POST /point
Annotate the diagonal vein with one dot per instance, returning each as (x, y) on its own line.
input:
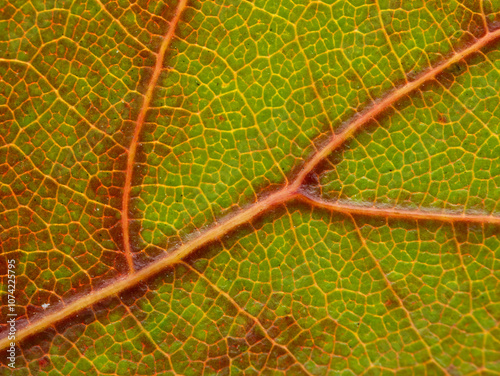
(379, 107)
(245, 313)
(393, 291)
(132, 279)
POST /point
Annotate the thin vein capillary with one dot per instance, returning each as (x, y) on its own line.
(137, 131)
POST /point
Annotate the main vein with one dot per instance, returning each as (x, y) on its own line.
(130, 280)
(244, 216)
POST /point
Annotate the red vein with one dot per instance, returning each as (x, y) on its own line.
(348, 131)
(483, 16)
(409, 214)
(245, 215)
(138, 127)
(132, 279)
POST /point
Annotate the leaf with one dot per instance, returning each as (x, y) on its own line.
(234, 187)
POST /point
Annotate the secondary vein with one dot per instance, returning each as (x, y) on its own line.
(138, 127)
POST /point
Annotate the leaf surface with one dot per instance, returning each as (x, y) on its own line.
(267, 187)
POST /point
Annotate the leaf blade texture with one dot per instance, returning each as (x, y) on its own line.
(236, 187)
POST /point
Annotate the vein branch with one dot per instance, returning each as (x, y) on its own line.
(130, 280)
(243, 312)
(138, 127)
(396, 295)
(148, 334)
(409, 214)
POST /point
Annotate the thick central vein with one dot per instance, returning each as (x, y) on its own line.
(130, 280)
(138, 127)
(244, 216)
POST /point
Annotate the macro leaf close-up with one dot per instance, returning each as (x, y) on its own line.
(250, 187)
